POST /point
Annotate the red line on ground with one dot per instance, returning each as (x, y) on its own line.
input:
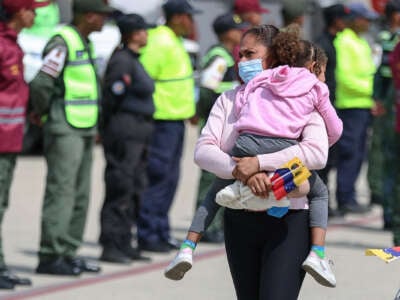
(55, 288)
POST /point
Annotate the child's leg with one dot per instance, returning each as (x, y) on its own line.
(316, 263)
(203, 217)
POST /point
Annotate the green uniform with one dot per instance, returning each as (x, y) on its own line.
(217, 63)
(7, 164)
(381, 170)
(69, 103)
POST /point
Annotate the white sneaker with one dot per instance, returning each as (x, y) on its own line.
(229, 196)
(180, 264)
(320, 269)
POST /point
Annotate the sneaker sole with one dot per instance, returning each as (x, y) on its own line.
(317, 276)
(177, 272)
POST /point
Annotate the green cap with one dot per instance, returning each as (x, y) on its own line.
(98, 6)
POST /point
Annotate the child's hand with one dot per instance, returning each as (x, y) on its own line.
(301, 191)
(260, 184)
(245, 167)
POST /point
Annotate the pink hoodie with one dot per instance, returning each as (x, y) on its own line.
(278, 103)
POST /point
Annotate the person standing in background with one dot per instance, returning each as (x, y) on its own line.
(46, 19)
(66, 94)
(168, 63)
(126, 129)
(382, 151)
(354, 77)
(250, 11)
(14, 94)
(394, 61)
(218, 75)
(293, 12)
(334, 17)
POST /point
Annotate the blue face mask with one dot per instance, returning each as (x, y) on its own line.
(250, 69)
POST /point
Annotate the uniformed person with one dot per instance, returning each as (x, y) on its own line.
(126, 132)
(65, 94)
(218, 76)
(14, 16)
(168, 63)
(382, 151)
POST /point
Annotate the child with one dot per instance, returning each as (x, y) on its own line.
(306, 57)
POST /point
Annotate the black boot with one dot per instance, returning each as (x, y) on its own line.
(114, 255)
(57, 266)
(16, 280)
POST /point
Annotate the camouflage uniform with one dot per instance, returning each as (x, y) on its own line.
(382, 148)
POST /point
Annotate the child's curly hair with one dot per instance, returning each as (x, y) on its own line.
(289, 49)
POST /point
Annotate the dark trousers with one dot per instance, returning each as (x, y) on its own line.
(163, 174)
(351, 149)
(125, 142)
(265, 253)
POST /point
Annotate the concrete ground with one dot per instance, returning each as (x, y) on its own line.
(358, 276)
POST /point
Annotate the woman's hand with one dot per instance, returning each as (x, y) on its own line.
(260, 184)
(245, 167)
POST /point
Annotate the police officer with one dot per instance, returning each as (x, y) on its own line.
(168, 63)
(66, 93)
(218, 76)
(127, 127)
(14, 16)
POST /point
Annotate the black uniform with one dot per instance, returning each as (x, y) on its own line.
(126, 128)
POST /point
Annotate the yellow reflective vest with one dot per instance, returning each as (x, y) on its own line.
(81, 96)
(354, 72)
(168, 63)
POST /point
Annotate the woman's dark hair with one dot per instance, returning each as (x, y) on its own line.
(264, 34)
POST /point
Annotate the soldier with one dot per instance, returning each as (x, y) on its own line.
(382, 152)
(66, 93)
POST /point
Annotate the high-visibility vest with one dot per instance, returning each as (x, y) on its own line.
(81, 97)
(168, 64)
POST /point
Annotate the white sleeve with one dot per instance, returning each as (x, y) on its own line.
(54, 61)
(212, 76)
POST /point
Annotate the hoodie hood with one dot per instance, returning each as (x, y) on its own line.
(284, 81)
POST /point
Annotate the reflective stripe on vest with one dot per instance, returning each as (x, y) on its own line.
(12, 115)
(80, 80)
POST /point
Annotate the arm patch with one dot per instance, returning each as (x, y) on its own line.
(54, 61)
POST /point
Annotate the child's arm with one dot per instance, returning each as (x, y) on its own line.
(312, 150)
(334, 125)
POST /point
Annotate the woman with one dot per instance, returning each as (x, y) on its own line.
(264, 253)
